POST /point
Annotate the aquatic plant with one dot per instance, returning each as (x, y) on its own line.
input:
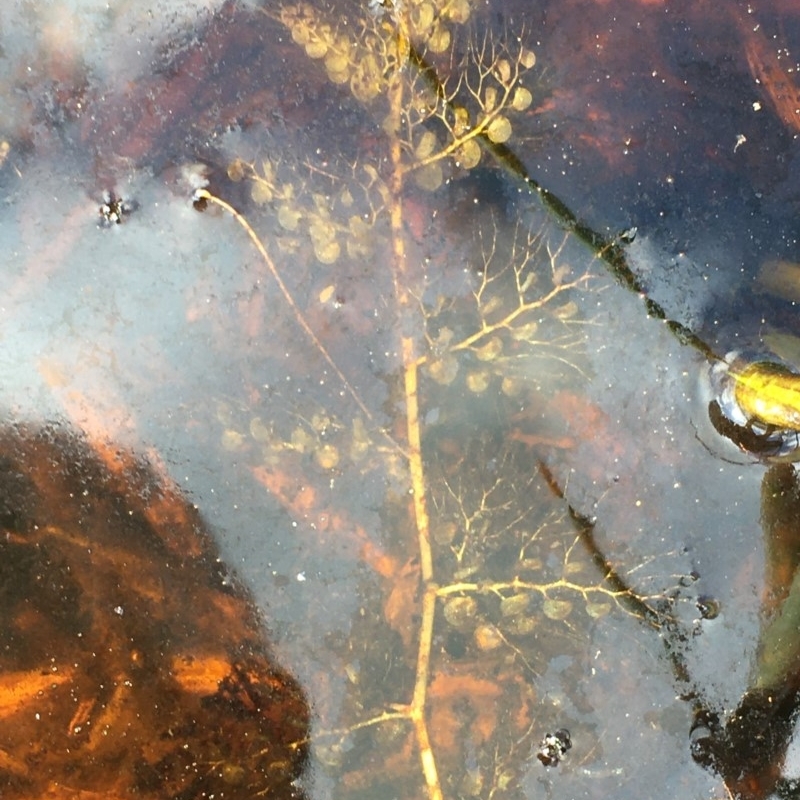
(482, 574)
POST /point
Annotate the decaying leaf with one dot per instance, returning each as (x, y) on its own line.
(131, 664)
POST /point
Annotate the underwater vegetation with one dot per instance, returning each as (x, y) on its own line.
(485, 573)
(480, 574)
(434, 369)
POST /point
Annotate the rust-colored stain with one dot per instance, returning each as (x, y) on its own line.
(780, 88)
(130, 663)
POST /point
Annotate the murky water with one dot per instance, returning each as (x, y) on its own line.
(418, 326)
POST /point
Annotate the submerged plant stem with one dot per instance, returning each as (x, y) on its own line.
(406, 307)
(415, 711)
(609, 251)
(204, 194)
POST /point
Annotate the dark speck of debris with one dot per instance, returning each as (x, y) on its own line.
(554, 747)
(708, 607)
(113, 209)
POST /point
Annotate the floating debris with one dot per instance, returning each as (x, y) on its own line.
(554, 747)
(113, 209)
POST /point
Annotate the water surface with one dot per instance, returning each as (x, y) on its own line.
(549, 405)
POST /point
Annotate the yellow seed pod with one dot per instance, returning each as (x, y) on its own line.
(491, 350)
(468, 155)
(366, 81)
(478, 381)
(567, 311)
(557, 609)
(327, 456)
(489, 99)
(461, 123)
(236, 170)
(769, 394)
(457, 10)
(511, 386)
(326, 294)
(444, 533)
(316, 48)
(491, 305)
(499, 130)
(521, 625)
(429, 177)
(358, 227)
(259, 431)
(597, 610)
(232, 440)
(439, 39)
(233, 774)
(528, 281)
(327, 252)
(339, 78)
(322, 231)
(358, 248)
(346, 198)
(423, 99)
(502, 69)
(421, 19)
(288, 245)
(301, 32)
(527, 58)
(573, 568)
(487, 637)
(443, 370)
(288, 217)
(301, 440)
(445, 335)
(321, 422)
(225, 415)
(521, 99)
(268, 170)
(261, 192)
(524, 333)
(337, 61)
(360, 443)
(426, 145)
(322, 203)
(363, 87)
(460, 612)
(515, 604)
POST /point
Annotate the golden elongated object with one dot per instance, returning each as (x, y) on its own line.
(768, 394)
(756, 404)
